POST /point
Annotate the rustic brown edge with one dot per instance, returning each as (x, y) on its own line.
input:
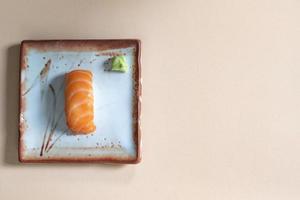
(116, 43)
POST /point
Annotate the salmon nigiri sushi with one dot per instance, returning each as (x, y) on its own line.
(79, 101)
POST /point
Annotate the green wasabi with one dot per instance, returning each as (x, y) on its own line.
(119, 64)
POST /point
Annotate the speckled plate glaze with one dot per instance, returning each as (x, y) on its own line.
(44, 136)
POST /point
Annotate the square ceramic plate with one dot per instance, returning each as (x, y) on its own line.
(44, 136)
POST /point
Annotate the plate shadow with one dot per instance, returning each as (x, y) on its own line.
(11, 105)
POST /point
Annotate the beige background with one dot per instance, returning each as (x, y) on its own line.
(221, 99)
